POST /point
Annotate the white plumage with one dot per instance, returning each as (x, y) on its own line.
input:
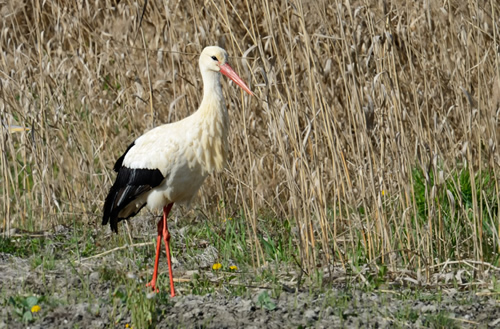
(169, 163)
(185, 152)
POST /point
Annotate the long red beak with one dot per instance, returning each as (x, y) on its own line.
(229, 72)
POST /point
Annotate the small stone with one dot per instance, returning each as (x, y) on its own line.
(328, 311)
(75, 282)
(197, 312)
(494, 323)
(94, 309)
(94, 277)
(310, 315)
(247, 306)
(429, 309)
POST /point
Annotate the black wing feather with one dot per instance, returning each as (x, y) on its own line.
(130, 183)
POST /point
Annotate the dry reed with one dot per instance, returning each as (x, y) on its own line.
(370, 117)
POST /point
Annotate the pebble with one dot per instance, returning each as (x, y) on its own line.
(336, 309)
(310, 315)
(94, 277)
(75, 282)
(494, 323)
(429, 308)
(246, 306)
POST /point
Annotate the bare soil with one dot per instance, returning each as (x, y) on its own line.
(79, 296)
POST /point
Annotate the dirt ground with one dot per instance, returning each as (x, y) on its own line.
(90, 299)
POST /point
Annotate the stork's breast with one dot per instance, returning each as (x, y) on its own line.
(183, 182)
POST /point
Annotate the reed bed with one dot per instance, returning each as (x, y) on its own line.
(373, 134)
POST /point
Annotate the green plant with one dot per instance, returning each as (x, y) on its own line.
(201, 285)
(25, 307)
(441, 320)
(407, 314)
(264, 301)
(367, 145)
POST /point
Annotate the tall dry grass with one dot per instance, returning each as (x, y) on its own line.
(375, 128)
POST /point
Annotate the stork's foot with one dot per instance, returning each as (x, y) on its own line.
(152, 284)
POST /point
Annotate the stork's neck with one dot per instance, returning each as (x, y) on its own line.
(213, 121)
(212, 109)
(212, 91)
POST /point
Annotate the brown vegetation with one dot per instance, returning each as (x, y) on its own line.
(375, 128)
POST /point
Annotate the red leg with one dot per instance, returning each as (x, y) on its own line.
(166, 238)
(152, 283)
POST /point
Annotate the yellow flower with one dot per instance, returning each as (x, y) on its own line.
(383, 192)
(216, 266)
(35, 309)
(233, 268)
(127, 325)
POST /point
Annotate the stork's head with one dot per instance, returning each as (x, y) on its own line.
(215, 59)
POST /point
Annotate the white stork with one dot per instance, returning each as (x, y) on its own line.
(169, 163)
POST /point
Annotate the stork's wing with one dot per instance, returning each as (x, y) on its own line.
(143, 166)
(129, 185)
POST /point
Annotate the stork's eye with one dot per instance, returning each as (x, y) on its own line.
(215, 58)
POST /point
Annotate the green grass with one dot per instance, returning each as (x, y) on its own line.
(455, 197)
(132, 301)
(22, 246)
(142, 307)
(407, 314)
(364, 151)
(441, 320)
(371, 147)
